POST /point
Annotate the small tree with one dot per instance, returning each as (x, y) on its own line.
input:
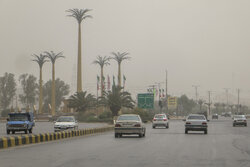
(81, 101)
(29, 86)
(116, 99)
(7, 89)
(61, 89)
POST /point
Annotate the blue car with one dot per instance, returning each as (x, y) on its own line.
(20, 122)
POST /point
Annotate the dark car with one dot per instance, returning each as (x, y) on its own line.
(215, 116)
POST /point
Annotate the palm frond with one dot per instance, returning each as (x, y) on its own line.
(79, 14)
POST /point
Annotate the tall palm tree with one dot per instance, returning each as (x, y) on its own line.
(102, 61)
(53, 57)
(116, 99)
(119, 57)
(79, 15)
(41, 59)
(81, 101)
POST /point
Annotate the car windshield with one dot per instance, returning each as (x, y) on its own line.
(19, 117)
(65, 119)
(128, 117)
(239, 116)
(196, 117)
(160, 116)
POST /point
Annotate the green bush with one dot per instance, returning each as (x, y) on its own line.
(105, 115)
(92, 119)
(144, 114)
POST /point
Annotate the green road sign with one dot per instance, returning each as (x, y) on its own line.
(145, 100)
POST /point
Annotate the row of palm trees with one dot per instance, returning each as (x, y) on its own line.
(40, 60)
(79, 15)
(102, 61)
(115, 100)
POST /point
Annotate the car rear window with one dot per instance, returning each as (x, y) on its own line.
(160, 116)
(128, 117)
(65, 119)
(239, 116)
(198, 117)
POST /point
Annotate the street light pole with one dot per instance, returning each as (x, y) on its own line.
(238, 90)
(196, 92)
(226, 89)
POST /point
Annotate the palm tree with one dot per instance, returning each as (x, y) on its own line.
(41, 59)
(102, 61)
(119, 57)
(116, 99)
(79, 15)
(81, 101)
(53, 57)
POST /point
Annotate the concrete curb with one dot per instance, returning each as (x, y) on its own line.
(6, 142)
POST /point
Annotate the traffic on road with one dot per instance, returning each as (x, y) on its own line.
(223, 146)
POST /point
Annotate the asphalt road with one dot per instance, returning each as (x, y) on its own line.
(47, 127)
(223, 146)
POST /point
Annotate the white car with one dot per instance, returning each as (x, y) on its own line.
(65, 123)
(196, 122)
(239, 120)
(129, 124)
(160, 120)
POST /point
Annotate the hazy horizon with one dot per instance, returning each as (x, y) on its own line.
(202, 43)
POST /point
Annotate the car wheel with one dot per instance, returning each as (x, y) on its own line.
(26, 131)
(153, 127)
(30, 130)
(233, 125)
(8, 132)
(186, 131)
(13, 132)
(205, 131)
(167, 126)
(144, 134)
(245, 124)
(140, 135)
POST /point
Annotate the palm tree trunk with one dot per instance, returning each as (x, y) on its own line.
(53, 113)
(79, 62)
(119, 75)
(41, 92)
(102, 84)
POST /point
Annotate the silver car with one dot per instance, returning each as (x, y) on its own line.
(129, 124)
(239, 120)
(160, 120)
(65, 123)
(196, 122)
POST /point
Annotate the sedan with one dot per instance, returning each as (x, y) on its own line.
(195, 122)
(129, 124)
(65, 123)
(239, 120)
(160, 120)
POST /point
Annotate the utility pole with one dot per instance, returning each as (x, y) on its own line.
(238, 90)
(226, 89)
(166, 91)
(196, 92)
(209, 103)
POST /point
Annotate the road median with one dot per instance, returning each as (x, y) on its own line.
(13, 141)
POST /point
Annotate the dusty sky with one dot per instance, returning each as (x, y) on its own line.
(199, 42)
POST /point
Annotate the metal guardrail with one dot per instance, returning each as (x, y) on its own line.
(7, 142)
